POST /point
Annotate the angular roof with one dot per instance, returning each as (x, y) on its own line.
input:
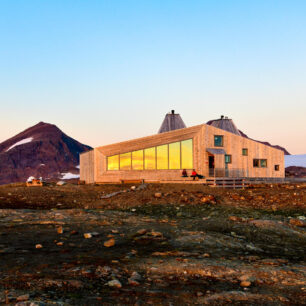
(226, 124)
(172, 122)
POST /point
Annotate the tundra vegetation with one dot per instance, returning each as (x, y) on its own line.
(152, 244)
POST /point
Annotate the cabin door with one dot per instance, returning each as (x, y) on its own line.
(211, 165)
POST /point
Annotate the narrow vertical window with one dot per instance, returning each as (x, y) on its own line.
(187, 154)
(245, 152)
(113, 162)
(125, 161)
(137, 160)
(228, 159)
(150, 159)
(276, 167)
(255, 163)
(162, 157)
(175, 155)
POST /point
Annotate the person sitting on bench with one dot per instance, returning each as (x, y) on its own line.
(194, 175)
(184, 173)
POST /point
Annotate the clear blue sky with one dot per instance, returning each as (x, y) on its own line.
(107, 71)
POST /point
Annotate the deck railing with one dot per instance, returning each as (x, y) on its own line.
(234, 172)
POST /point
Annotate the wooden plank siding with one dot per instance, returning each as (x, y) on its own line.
(93, 164)
(87, 167)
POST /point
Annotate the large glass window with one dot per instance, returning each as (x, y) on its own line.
(113, 162)
(218, 140)
(125, 161)
(175, 155)
(137, 160)
(162, 157)
(187, 154)
(150, 160)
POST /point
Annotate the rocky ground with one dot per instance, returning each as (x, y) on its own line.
(152, 244)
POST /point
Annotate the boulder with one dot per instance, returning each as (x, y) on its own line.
(114, 283)
(109, 243)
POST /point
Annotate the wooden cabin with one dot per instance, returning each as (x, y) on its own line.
(216, 149)
(34, 183)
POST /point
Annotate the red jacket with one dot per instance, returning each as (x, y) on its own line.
(193, 173)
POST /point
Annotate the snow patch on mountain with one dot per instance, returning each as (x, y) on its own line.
(295, 160)
(19, 143)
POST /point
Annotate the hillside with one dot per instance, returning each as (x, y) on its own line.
(41, 151)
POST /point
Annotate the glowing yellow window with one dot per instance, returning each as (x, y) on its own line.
(125, 161)
(187, 154)
(150, 162)
(162, 157)
(137, 160)
(113, 162)
(175, 155)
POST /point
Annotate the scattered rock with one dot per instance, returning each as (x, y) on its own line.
(61, 183)
(157, 195)
(133, 188)
(208, 199)
(60, 230)
(109, 243)
(23, 298)
(156, 234)
(297, 222)
(38, 246)
(135, 279)
(274, 207)
(87, 235)
(141, 231)
(114, 283)
(235, 218)
(103, 271)
(245, 284)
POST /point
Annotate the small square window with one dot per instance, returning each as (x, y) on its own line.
(245, 152)
(218, 140)
(263, 163)
(276, 167)
(256, 163)
(228, 159)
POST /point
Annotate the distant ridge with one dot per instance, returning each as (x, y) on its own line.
(42, 150)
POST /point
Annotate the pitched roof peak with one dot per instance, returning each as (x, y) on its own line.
(224, 123)
(172, 122)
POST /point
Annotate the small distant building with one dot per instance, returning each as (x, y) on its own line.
(214, 150)
(33, 182)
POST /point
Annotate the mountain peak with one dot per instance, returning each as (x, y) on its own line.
(42, 150)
